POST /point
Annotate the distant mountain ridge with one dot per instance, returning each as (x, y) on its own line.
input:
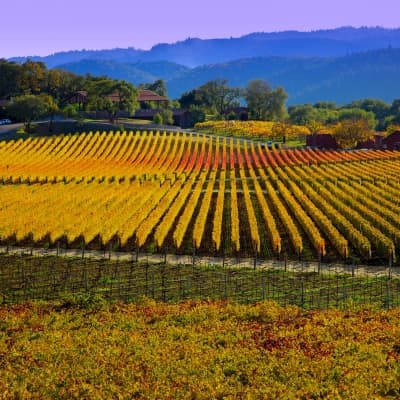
(307, 80)
(342, 79)
(194, 52)
(136, 73)
(339, 65)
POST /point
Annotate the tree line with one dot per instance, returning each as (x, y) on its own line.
(37, 91)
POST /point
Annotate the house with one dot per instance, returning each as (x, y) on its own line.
(146, 96)
(80, 97)
(182, 118)
(392, 142)
(322, 141)
(378, 141)
(241, 113)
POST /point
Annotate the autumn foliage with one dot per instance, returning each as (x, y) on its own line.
(198, 350)
(261, 129)
(190, 192)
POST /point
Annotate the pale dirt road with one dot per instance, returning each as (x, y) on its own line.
(295, 266)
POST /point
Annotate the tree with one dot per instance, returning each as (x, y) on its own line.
(285, 130)
(392, 128)
(190, 99)
(326, 105)
(29, 108)
(157, 86)
(164, 117)
(313, 116)
(304, 114)
(217, 96)
(265, 103)
(198, 115)
(111, 96)
(379, 108)
(157, 119)
(167, 117)
(31, 77)
(9, 73)
(281, 130)
(276, 109)
(395, 112)
(349, 133)
(52, 109)
(70, 111)
(356, 114)
(315, 126)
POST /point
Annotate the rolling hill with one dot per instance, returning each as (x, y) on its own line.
(194, 52)
(339, 65)
(306, 79)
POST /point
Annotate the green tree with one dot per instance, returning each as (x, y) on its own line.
(70, 111)
(28, 108)
(157, 86)
(326, 105)
(214, 97)
(379, 108)
(198, 114)
(111, 96)
(167, 117)
(190, 99)
(265, 103)
(157, 119)
(31, 79)
(356, 114)
(276, 109)
(9, 73)
(395, 112)
(304, 114)
(313, 115)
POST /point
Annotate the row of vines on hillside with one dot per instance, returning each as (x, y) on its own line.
(198, 193)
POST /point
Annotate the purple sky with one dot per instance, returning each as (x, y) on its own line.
(41, 27)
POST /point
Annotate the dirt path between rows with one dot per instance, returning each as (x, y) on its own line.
(229, 262)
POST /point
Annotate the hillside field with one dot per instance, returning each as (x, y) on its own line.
(187, 193)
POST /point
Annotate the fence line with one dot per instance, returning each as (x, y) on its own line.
(49, 278)
(232, 262)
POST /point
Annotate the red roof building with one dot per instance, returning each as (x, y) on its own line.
(146, 95)
(392, 142)
(182, 118)
(322, 141)
(80, 97)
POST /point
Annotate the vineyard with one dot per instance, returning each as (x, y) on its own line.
(254, 129)
(186, 193)
(198, 350)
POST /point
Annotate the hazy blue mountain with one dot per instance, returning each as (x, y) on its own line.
(66, 57)
(341, 79)
(195, 52)
(162, 69)
(340, 64)
(307, 80)
(133, 72)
